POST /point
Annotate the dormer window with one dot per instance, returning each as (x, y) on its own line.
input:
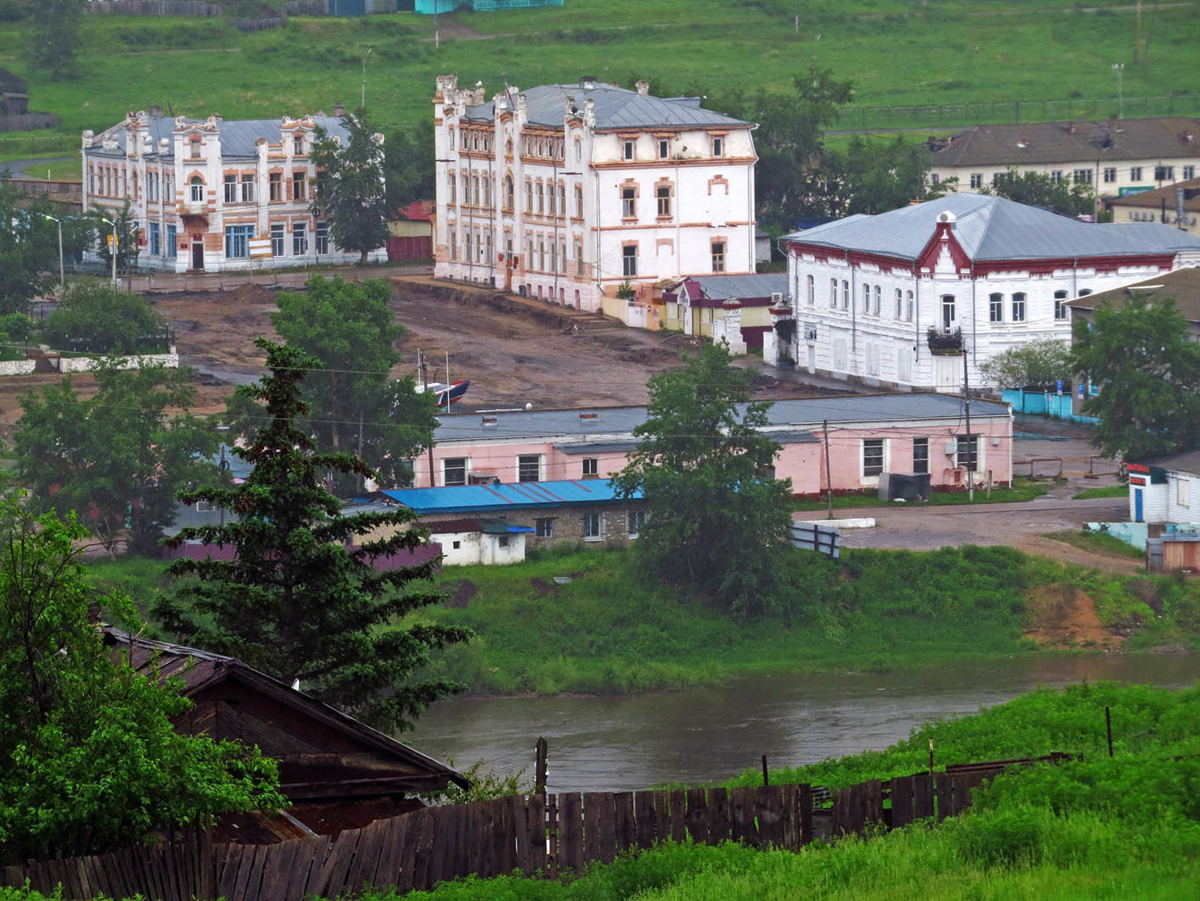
(718, 146)
(664, 148)
(298, 145)
(628, 154)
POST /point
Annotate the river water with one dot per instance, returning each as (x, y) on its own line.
(639, 741)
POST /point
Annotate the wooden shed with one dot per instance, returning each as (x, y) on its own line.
(337, 772)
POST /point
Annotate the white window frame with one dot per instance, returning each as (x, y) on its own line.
(872, 478)
(541, 467)
(598, 519)
(1182, 492)
(466, 470)
(543, 527)
(635, 521)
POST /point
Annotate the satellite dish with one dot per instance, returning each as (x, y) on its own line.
(528, 406)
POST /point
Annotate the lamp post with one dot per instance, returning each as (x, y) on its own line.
(62, 278)
(559, 210)
(363, 101)
(112, 248)
(1119, 68)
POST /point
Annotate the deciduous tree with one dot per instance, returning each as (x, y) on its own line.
(1067, 197)
(350, 188)
(94, 317)
(88, 756)
(718, 519)
(1037, 365)
(54, 37)
(299, 601)
(1148, 371)
(116, 458)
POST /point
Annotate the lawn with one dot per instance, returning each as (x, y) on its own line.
(1106, 491)
(1097, 542)
(897, 53)
(1021, 490)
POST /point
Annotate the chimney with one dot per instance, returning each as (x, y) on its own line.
(1072, 128)
(156, 111)
(1187, 136)
(588, 82)
(643, 88)
(338, 110)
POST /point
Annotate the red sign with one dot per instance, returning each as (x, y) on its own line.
(1134, 480)
(197, 236)
(1137, 467)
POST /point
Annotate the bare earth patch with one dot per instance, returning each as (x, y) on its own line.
(1065, 617)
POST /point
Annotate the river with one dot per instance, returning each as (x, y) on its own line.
(638, 741)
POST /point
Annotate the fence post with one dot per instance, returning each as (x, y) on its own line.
(540, 766)
(766, 775)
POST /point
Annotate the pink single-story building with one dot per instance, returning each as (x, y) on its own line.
(867, 436)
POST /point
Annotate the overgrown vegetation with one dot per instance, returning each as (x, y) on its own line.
(1097, 542)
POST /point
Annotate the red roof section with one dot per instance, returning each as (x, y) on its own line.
(417, 211)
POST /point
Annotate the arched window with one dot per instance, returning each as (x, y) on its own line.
(812, 290)
(197, 185)
(508, 147)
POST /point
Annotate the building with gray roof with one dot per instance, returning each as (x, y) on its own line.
(215, 195)
(590, 194)
(924, 295)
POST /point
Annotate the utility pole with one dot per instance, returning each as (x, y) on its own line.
(1137, 38)
(828, 477)
(436, 42)
(1119, 68)
(62, 278)
(423, 365)
(971, 455)
(363, 101)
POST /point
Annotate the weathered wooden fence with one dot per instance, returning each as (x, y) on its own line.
(552, 834)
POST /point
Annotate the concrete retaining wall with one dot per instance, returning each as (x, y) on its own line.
(84, 364)
(17, 367)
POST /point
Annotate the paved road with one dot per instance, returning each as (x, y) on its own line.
(19, 167)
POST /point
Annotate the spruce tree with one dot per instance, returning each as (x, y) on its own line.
(297, 601)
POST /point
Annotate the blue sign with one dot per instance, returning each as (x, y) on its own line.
(1060, 387)
(1135, 189)
(1081, 391)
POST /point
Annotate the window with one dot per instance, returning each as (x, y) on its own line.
(541, 198)
(663, 193)
(1189, 172)
(812, 290)
(1135, 173)
(529, 468)
(237, 239)
(592, 527)
(578, 256)
(833, 294)
(629, 260)
(629, 203)
(718, 146)
(276, 239)
(541, 256)
(553, 257)
(195, 149)
(467, 194)
(1082, 176)
(322, 236)
(298, 145)
(579, 201)
(1056, 176)
(152, 187)
(562, 200)
(1181, 491)
(934, 178)
(578, 149)
(872, 457)
(454, 471)
(197, 186)
(172, 242)
(878, 299)
(629, 150)
(977, 180)
(470, 245)
(664, 148)
(947, 311)
(1060, 304)
(899, 305)
(544, 528)
(920, 455)
(247, 189)
(718, 256)
(298, 180)
(591, 467)
(1018, 307)
(1164, 173)
(866, 307)
(231, 189)
(1110, 174)
(910, 307)
(503, 542)
(300, 239)
(637, 520)
(275, 187)
(155, 240)
(845, 295)
(453, 242)
(967, 452)
(996, 305)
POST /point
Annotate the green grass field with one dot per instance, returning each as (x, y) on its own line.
(897, 52)
(1021, 490)
(1106, 491)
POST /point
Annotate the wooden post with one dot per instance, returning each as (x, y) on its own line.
(540, 768)
(931, 757)
(828, 477)
(766, 776)
(1108, 728)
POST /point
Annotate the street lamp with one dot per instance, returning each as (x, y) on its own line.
(112, 248)
(560, 261)
(363, 102)
(62, 278)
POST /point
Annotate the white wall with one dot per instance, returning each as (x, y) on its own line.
(1154, 502)
(136, 361)
(1183, 498)
(475, 548)
(1123, 178)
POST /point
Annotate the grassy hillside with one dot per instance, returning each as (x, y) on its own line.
(612, 630)
(896, 52)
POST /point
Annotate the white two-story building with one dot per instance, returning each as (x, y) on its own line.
(565, 192)
(201, 190)
(898, 297)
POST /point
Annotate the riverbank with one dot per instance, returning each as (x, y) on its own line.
(594, 622)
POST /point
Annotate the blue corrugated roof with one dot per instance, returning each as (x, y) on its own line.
(516, 496)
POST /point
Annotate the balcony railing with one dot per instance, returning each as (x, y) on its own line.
(945, 341)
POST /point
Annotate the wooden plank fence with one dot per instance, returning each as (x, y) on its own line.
(549, 834)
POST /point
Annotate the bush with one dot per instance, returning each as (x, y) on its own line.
(93, 317)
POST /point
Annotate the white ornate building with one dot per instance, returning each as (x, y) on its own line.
(566, 191)
(201, 190)
(896, 298)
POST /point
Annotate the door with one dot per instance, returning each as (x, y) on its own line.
(947, 374)
(1139, 514)
(812, 359)
(198, 255)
